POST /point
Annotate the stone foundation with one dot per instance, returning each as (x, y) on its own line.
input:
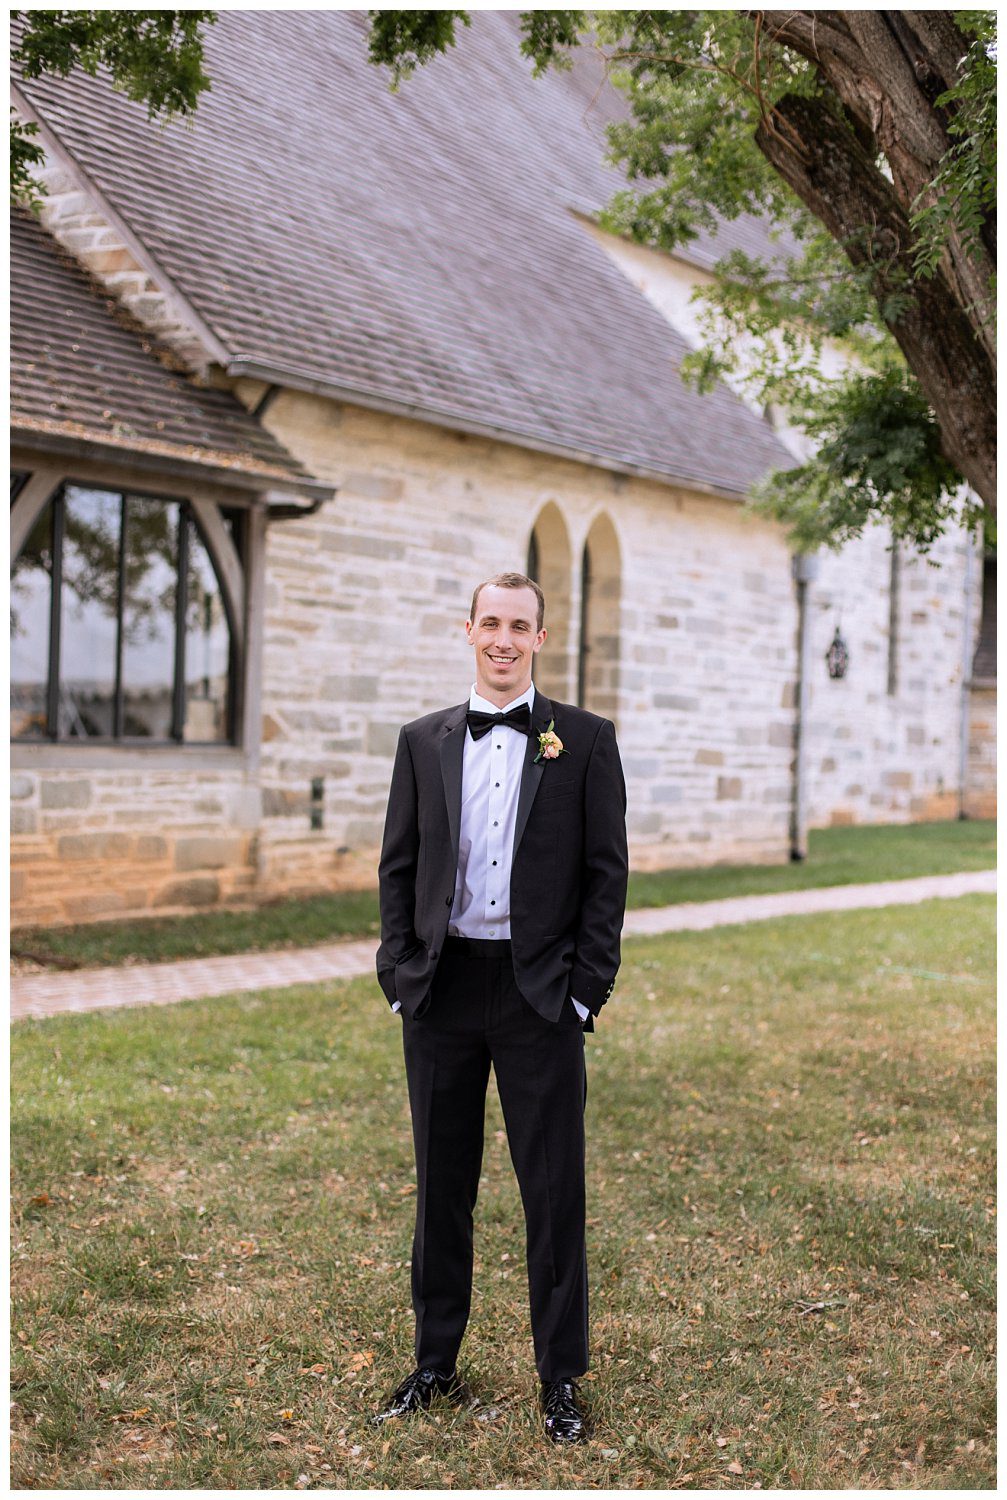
(981, 790)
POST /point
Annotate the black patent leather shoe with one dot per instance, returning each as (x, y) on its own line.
(417, 1391)
(565, 1419)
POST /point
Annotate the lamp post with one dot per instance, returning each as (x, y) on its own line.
(804, 568)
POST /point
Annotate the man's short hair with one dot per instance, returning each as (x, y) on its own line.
(511, 581)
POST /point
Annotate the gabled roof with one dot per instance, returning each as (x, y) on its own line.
(82, 371)
(412, 251)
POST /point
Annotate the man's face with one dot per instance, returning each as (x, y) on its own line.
(505, 641)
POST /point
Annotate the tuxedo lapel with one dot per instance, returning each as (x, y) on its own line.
(531, 773)
(452, 746)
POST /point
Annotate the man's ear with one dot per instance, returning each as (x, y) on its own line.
(539, 644)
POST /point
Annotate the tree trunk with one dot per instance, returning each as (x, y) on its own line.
(885, 69)
(838, 181)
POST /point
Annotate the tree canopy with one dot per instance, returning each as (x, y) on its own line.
(867, 140)
(154, 56)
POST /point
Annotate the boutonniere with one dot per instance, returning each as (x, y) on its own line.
(550, 746)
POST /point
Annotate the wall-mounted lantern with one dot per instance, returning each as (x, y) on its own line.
(837, 657)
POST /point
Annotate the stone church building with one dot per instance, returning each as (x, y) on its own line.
(290, 378)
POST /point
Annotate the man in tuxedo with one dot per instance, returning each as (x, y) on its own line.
(502, 880)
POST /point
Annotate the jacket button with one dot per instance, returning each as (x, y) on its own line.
(448, 900)
(433, 953)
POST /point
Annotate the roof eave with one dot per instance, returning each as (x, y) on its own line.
(246, 367)
(30, 440)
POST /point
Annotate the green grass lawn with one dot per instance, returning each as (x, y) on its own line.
(791, 1239)
(836, 856)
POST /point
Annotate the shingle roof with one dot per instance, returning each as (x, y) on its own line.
(413, 249)
(81, 369)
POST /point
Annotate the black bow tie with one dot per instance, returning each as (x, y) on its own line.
(515, 718)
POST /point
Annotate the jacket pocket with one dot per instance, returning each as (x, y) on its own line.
(556, 794)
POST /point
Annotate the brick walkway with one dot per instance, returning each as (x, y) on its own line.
(199, 978)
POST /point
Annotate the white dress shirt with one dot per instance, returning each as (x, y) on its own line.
(491, 781)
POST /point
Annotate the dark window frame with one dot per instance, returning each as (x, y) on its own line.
(187, 515)
(984, 658)
(533, 561)
(584, 643)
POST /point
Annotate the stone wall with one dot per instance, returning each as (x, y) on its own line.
(875, 755)
(981, 786)
(363, 630)
(102, 843)
(708, 620)
(375, 637)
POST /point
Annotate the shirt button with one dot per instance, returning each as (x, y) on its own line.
(493, 932)
(492, 903)
(496, 783)
(494, 861)
(495, 824)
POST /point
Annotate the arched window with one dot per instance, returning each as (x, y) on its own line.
(119, 627)
(549, 559)
(600, 595)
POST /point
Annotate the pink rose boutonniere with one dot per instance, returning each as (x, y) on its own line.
(550, 746)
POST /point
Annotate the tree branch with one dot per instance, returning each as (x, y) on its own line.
(843, 188)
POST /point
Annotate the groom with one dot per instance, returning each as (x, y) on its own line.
(503, 887)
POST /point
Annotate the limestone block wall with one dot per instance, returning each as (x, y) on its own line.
(102, 842)
(981, 786)
(707, 684)
(708, 620)
(365, 606)
(364, 630)
(875, 755)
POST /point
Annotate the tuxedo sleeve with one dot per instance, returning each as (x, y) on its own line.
(397, 869)
(606, 874)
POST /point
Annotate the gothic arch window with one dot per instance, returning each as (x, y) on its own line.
(121, 627)
(549, 561)
(600, 595)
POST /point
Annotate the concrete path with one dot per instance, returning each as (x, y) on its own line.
(199, 978)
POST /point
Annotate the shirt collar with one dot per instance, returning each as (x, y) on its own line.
(476, 701)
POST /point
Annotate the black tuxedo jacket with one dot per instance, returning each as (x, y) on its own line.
(568, 873)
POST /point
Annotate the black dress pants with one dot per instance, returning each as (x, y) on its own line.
(474, 1015)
